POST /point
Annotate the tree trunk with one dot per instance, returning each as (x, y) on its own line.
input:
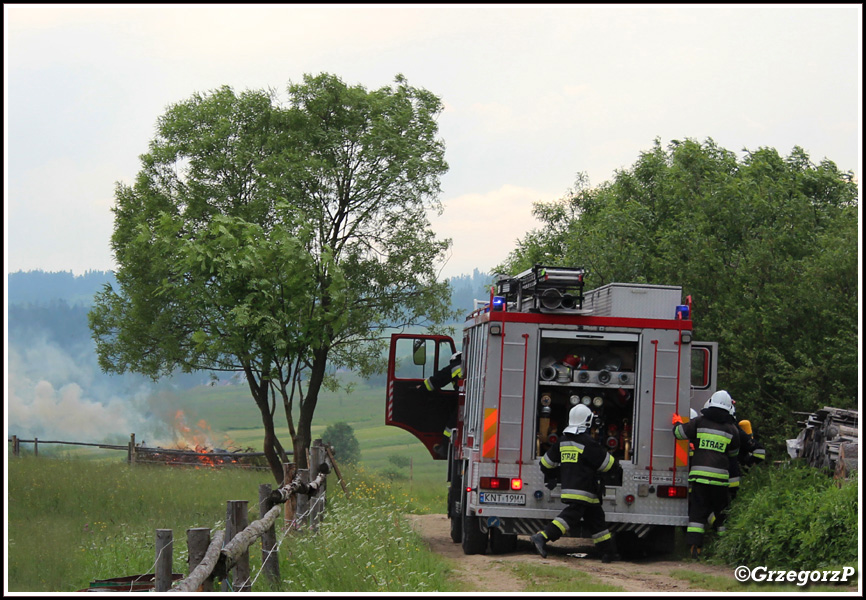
(308, 408)
(271, 445)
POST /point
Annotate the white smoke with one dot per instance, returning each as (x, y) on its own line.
(54, 395)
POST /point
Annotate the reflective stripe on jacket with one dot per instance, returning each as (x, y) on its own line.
(580, 459)
(716, 443)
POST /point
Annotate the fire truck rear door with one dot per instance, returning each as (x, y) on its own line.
(412, 359)
(704, 378)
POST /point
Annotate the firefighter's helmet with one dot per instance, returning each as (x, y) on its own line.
(693, 414)
(579, 419)
(456, 356)
(721, 399)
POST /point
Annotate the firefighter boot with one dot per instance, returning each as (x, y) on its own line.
(608, 552)
(695, 551)
(539, 542)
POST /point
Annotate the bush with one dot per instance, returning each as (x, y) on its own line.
(795, 517)
(342, 438)
(400, 461)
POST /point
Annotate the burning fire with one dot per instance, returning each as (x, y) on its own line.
(193, 445)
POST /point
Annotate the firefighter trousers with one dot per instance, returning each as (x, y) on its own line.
(705, 500)
(593, 520)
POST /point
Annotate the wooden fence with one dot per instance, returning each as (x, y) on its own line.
(138, 453)
(224, 555)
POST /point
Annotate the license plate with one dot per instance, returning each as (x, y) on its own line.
(491, 498)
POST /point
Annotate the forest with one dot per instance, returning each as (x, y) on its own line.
(765, 245)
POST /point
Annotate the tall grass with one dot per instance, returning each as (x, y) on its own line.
(72, 521)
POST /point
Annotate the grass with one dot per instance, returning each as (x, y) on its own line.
(546, 579)
(72, 521)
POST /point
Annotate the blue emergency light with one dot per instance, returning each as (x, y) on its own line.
(498, 303)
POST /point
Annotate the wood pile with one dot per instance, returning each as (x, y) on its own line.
(829, 440)
(200, 456)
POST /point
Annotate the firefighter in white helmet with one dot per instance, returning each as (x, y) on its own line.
(716, 440)
(576, 460)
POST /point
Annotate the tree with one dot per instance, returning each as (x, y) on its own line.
(280, 242)
(341, 436)
(765, 245)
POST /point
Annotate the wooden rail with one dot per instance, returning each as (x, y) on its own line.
(137, 453)
(228, 551)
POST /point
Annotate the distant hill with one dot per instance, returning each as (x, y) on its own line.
(465, 289)
(44, 288)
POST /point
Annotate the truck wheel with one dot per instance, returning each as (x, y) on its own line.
(454, 514)
(661, 540)
(455, 504)
(474, 541)
(501, 542)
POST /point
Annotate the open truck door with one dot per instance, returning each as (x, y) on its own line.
(705, 358)
(410, 406)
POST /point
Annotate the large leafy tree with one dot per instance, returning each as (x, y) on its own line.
(766, 246)
(277, 241)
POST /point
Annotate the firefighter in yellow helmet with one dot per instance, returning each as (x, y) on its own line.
(754, 453)
(576, 460)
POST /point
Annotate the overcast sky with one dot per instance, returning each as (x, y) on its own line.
(533, 95)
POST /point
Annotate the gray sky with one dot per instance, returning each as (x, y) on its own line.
(533, 95)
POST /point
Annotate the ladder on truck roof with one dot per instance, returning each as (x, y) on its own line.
(543, 288)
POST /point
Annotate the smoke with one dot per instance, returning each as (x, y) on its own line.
(62, 395)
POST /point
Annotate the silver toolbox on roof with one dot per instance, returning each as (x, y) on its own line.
(633, 300)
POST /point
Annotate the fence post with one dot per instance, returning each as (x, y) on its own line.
(303, 505)
(237, 521)
(164, 549)
(289, 515)
(15, 446)
(270, 558)
(330, 452)
(130, 453)
(35, 446)
(317, 452)
(197, 542)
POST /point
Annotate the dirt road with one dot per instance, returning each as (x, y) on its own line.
(491, 573)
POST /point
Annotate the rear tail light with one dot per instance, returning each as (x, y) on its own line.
(672, 491)
(501, 483)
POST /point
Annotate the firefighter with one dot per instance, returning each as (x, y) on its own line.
(755, 453)
(576, 460)
(716, 440)
(451, 373)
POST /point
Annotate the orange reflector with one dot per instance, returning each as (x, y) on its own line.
(681, 453)
(516, 484)
(488, 448)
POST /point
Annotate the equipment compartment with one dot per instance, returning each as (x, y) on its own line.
(591, 369)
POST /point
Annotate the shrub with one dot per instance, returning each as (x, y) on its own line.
(342, 438)
(794, 517)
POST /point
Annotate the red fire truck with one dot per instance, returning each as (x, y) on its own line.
(536, 348)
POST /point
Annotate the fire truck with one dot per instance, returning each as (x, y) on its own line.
(537, 347)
